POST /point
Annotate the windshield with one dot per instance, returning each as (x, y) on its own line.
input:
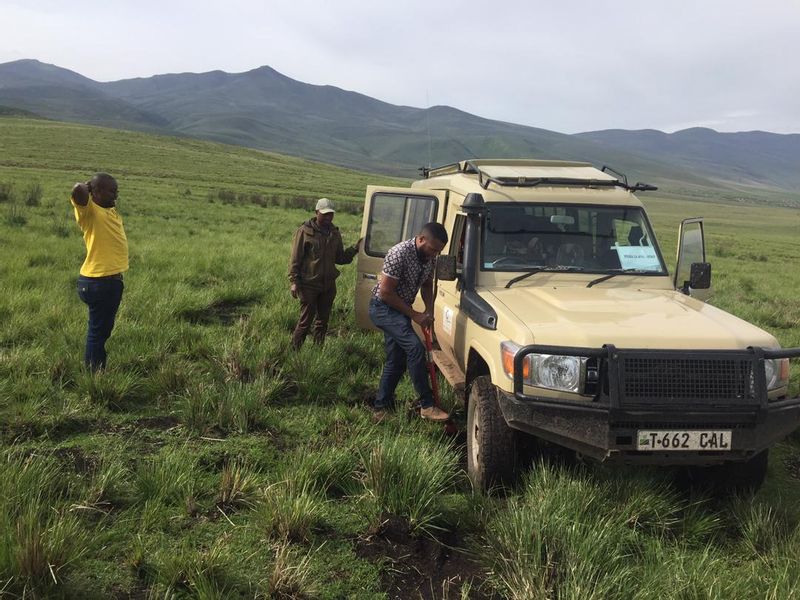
(595, 239)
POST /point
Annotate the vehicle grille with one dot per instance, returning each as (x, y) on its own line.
(691, 379)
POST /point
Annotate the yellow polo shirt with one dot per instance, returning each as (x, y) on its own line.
(104, 235)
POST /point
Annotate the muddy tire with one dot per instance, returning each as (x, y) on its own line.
(491, 444)
(734, 477)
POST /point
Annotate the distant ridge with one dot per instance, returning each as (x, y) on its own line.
(10, 111)
(750, 157)
(265, 109)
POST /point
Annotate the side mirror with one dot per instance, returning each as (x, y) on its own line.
(700, 277)
(446, 267)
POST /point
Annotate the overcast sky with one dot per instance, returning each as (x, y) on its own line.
(564, 65)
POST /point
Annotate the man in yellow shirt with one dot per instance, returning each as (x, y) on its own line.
(100, 281)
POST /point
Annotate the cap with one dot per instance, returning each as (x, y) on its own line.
(324, 206)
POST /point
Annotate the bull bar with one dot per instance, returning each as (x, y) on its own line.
(605, 426)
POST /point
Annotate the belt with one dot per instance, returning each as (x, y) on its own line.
(115, 276)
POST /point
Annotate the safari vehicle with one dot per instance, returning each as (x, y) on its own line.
(558, 318)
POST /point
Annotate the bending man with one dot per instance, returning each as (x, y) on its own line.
(407, 269)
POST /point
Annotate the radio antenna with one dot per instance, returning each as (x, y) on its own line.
(428, 125)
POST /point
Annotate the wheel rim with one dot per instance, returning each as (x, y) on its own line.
(475, 437)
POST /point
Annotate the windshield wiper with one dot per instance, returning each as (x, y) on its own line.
(614, 274)
(560, 269)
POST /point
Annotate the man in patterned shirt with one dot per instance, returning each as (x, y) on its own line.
(407, 268)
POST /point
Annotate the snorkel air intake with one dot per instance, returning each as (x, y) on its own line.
(472, 304)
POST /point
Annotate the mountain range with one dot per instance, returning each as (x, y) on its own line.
(264, 109)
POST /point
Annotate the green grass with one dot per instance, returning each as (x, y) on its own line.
(209, 461)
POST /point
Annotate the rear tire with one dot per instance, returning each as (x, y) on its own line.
(491, 443)
(732, 477)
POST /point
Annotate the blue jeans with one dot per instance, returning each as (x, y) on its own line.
(403, 349)
(102, 295)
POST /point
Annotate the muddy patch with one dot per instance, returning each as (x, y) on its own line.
(58, 429)
(419, 567)
(77, 460)
(138, 592)
(220, 312)
(792, 464)
(161, 422)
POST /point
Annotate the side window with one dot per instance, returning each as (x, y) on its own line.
(394, 218)
(457, 241)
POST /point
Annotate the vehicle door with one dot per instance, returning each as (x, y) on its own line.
(691, 249)
(391, 215)
(450, 322)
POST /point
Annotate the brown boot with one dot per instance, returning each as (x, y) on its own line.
(433, 413)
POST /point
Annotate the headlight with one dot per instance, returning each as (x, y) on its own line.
(559, 372)
(776, 372)
(551, 371)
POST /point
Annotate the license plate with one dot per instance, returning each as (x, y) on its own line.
(657, 440)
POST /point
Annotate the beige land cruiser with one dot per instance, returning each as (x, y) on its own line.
(557, 318)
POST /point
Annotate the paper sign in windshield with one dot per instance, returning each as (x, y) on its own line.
(638, 257)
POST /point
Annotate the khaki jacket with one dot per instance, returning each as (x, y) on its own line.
(315, 255)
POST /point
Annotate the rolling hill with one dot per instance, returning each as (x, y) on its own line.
(264, 109)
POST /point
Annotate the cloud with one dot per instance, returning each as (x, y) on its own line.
(571, 66)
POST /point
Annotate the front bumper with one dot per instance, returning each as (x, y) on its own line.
(606, 428)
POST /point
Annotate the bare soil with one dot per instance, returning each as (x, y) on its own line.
(421, 567)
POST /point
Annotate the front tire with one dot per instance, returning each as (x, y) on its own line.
(491, 443)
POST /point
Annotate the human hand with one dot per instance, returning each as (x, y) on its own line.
(293, 290)
(80, 193)
(423, 319)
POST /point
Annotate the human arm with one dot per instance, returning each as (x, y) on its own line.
(344, 256)
(387, 292)
(295, 261)
(426, 291)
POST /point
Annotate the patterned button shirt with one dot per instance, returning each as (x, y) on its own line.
(403, 264)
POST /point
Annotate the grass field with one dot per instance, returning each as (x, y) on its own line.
(211, 462)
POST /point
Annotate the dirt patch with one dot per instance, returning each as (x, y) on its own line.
(137, 592)
(792, 465)
(420, 567)
(57, 429)
(161, 422)
(221, 312)
(76, 459)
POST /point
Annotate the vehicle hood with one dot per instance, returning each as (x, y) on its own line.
(625, 317)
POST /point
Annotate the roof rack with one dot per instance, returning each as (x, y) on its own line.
(484, 179)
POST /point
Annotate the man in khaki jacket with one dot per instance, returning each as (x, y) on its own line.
(316, 250)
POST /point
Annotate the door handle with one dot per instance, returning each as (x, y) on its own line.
(370, 276)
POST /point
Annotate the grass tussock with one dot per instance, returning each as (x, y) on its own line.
(190, 571)
(408, 477)
(291, 576)
(232, 408)
(16, 216)
(237, 485)
(289, 510)
(33, 194)
(41, 540)
(107, 483)
(588, 534)
(761, 527)
(167, 477)
(332, 471)
(111, 389)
